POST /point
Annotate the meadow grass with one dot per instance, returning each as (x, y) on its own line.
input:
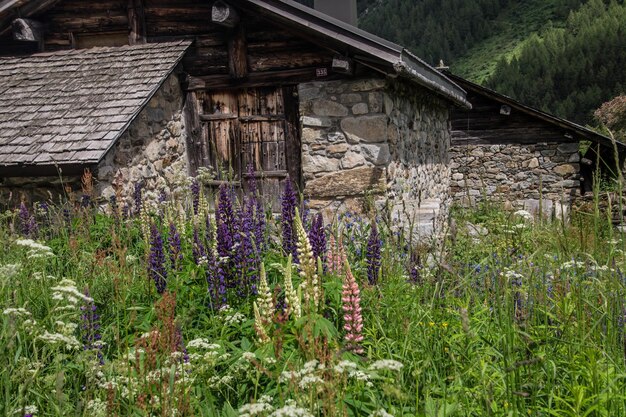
(525, 317)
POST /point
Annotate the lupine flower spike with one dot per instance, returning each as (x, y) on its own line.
(308, 267)
(291, 297)
(156, 265)
(317, 236)
(353, 320)
(288, 211)
(266, 305)
(259, 327)
(373, 256)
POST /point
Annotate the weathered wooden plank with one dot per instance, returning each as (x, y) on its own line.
(237, 54)
(137, 22)
(258, 79)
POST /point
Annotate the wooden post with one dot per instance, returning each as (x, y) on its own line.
(136, 22)
(224, 15)
(238, 54)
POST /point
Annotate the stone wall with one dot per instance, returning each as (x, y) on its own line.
(517, 175)
(372, 144)
(151, 152)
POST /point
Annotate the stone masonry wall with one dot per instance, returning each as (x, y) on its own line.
(517, 175)
(374, 144)
(152, 151)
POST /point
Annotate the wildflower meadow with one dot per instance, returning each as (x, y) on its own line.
(209, 304)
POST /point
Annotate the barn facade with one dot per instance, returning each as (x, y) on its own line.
(151, 92)
(507, 152)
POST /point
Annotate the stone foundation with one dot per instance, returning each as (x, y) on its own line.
(371, 144)
(526, 177)
(151, 152)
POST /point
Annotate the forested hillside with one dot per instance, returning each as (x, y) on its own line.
(563, 56)
(570, 71)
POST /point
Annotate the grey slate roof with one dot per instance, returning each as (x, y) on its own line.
(70, 107)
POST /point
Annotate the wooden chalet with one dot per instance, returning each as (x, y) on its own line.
(153, 91)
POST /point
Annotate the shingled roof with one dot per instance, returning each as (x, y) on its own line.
(70, 107)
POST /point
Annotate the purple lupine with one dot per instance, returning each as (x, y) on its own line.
(176, 253)
(85, 201)
(415, 261)
(195, 195)
(156, 262)
(289, 202)
(225, 219)
(216, 281)
(198, 250)
(246, 259)
(137, 197)
(162, 196)
(90, 328)
(24, 216)
(255, 204)
(317, 237)
(372, 255)
(180, 344)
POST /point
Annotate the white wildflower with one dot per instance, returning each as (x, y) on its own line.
(96, 408)
(10, 270)
(344, 366)
(131, 259)
(66, 290)
(269, 360)
(510, 274)
(70, 342)
(37, 250)
(572, 265)
(359, 376)
(310, 380)
(16, 312)
(291, 410)
(380, 413)
(202, 344)
(386, 364)
(520, 226)
(29, 409)
(255, 409)
(233, 319)
(248, 356)
(524, 215)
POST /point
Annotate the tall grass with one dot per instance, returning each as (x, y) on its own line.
(527, 319)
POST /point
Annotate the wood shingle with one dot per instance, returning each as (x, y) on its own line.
(69, 107)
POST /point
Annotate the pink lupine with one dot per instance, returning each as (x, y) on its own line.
(353, 320)
(335, 256)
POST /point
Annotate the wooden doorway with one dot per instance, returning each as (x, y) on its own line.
(255, 127)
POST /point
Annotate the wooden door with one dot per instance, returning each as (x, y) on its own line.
(255, 127)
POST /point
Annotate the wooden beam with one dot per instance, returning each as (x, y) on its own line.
(256, 79)
(136, 22)
(27, 30)
(224, 15)
(238, 54)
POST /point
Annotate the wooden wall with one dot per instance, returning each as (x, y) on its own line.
(484, 124)
(269, 48)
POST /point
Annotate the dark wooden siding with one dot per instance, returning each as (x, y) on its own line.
(485, 124)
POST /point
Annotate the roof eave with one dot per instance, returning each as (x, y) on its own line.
(414, 67)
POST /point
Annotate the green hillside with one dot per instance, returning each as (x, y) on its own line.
(516, 24)
(563, 56)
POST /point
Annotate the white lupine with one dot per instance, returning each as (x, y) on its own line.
(291, 297)
(308, 267)
(264, 299)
